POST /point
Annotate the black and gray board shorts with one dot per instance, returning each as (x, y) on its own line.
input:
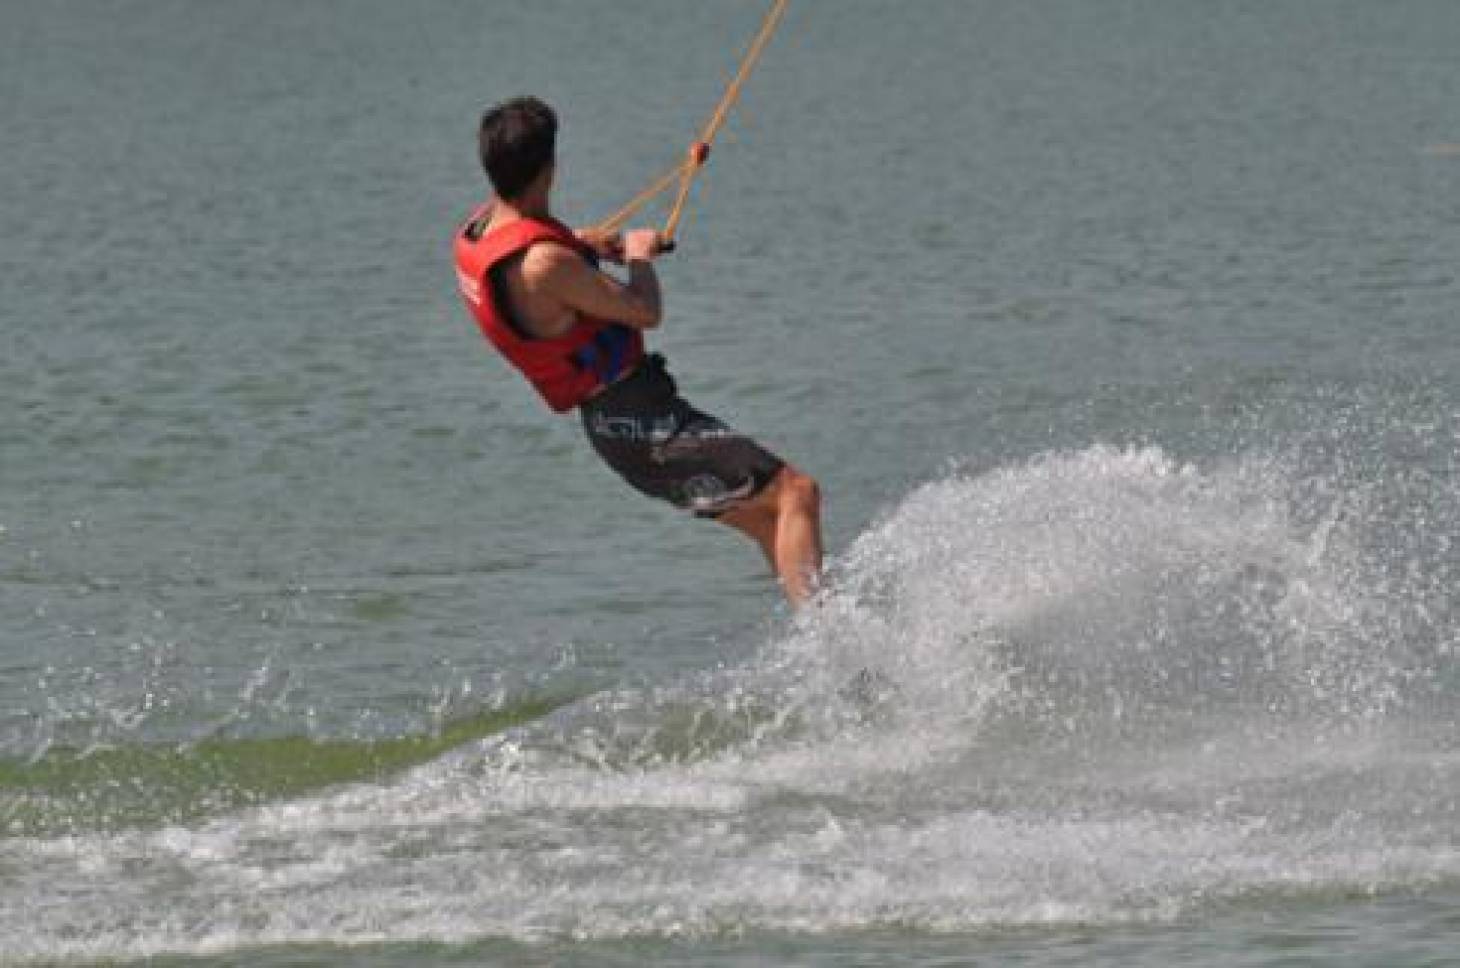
(665, 448)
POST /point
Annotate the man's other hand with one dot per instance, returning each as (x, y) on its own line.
(608, 245)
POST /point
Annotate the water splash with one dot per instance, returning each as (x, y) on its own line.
(1099, 686)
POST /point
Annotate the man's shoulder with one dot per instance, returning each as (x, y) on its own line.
(548, 258)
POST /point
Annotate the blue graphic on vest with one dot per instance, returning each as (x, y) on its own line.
(605, 356)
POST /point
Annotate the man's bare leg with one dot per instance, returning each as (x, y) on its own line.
(785, 520)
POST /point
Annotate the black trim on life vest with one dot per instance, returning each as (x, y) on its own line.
(497, 281)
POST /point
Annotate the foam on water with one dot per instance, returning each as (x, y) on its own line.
(1101, 686)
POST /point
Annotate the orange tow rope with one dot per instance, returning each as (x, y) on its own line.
(699, 152)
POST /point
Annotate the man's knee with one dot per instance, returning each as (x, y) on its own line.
(800, 491)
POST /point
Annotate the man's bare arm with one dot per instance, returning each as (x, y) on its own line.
(561, 272)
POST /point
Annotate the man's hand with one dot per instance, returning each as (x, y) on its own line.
(642, 245)
(608, 245)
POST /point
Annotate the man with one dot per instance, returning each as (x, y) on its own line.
(576, 334)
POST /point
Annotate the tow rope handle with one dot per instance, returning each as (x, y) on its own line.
(699, 151)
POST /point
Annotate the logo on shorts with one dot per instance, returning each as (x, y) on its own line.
(705, 492)
(628, 428)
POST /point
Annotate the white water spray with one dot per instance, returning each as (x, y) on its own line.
(1101, 686)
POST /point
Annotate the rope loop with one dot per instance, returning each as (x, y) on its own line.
(699, 152)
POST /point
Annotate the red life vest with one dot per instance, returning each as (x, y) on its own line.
(566, 369)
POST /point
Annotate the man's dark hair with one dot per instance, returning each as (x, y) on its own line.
(518, 139)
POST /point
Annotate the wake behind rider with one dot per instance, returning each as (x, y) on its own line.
(577, 334)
